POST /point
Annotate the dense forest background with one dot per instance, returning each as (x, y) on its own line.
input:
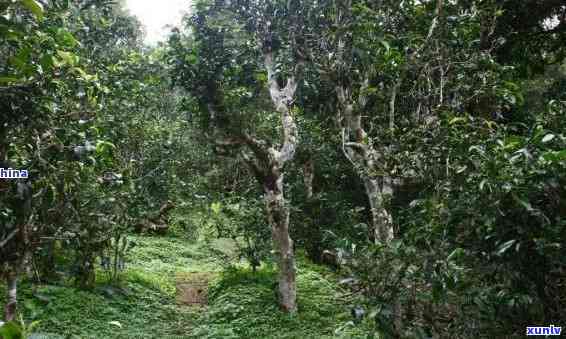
(345, 168)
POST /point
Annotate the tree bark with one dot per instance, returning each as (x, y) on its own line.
(308, 178)
(18, 244)
(278, 216)
(365, 159)
(277, 211)
(11, 296)
(382, 221)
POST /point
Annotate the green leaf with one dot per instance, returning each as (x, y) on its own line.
(386, 45)
(68, 58)
(527, 205)
(512, 141)
(103, 146)
(8, 80)
(11, 330)
(548, 138)
(47, 62)
(216, 207)
(505, 246)
(115, 323)
(456, 120)
(554, 156)
(82, 74)
(65, 38)
(34, 7)
(191, 59)
(21, 60)
(458, 252)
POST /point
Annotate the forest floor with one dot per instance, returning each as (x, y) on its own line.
(242, 304)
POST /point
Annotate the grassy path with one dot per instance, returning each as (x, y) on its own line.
(144, 308)
(243, 304)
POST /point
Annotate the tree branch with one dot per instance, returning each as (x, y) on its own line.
(256, 170)
(283, 99)
(259, 147)
(9, 237)
(431, 30)
(392, 100)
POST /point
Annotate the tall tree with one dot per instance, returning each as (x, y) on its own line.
(242, 51)
(360, 63)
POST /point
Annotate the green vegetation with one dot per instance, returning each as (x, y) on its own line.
(244, 305)
(144, 302)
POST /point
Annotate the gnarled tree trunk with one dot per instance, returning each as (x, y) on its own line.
(365, 159)
(277, 211)
(267, 165)
(378, 190)
(267, 159)
(363, 154)
(269, 175)
(278, 216)
(17, 246)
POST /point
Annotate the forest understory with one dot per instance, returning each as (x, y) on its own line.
(143, 305)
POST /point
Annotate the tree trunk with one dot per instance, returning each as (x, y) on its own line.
(308, 178)
(11, 297)
(382, 221)
(364, 157)
(277, 211)
(278, 216)
(267, 165)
